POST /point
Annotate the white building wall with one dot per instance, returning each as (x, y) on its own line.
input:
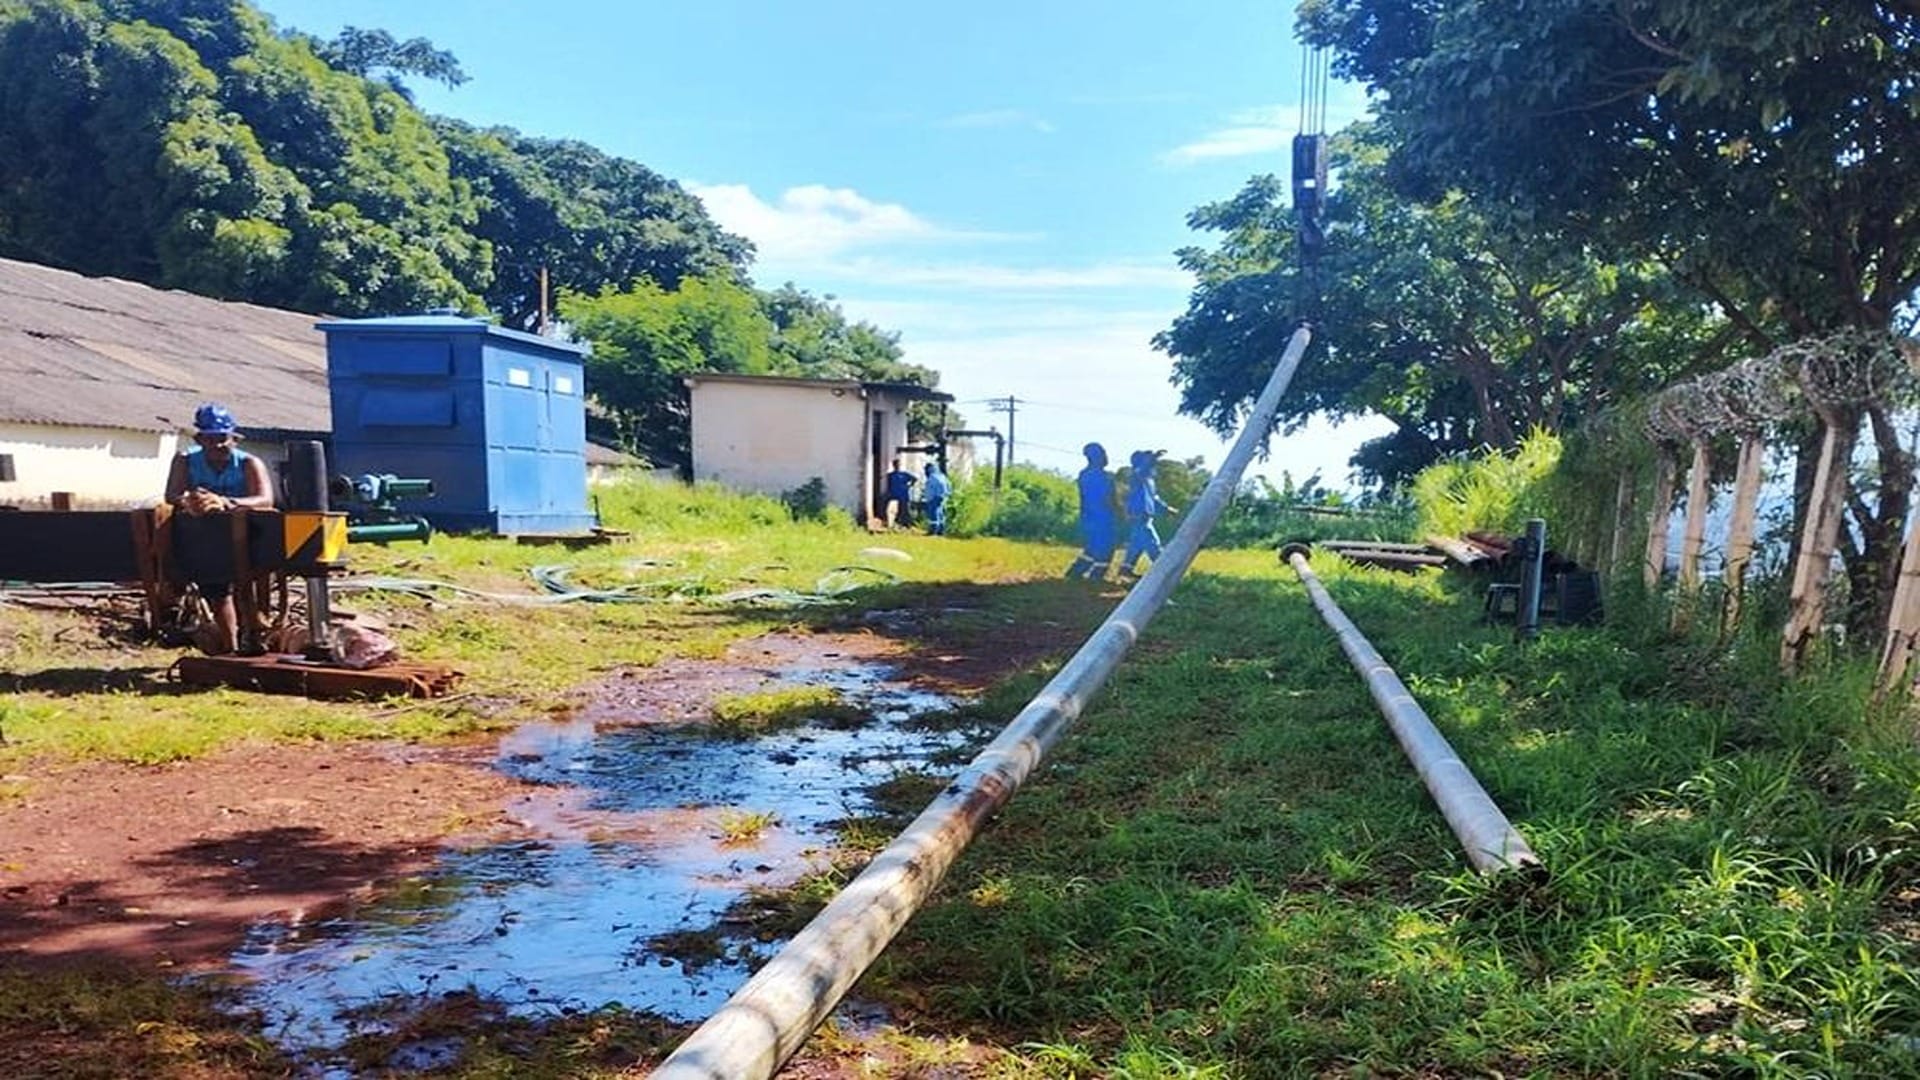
(102, 468)
(774, 437)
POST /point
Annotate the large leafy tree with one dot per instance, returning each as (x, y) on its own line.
(1449, 320)
(1767, 150)
(375, 53)
(812, 337)
(647, 339)
(592, 220)
(187, 145)
(120, 159)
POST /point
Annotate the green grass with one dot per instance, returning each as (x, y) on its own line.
(1494, 491)
(744, 715)
(75, 1024)
(1227, 868)
(72, 695)
(1231, 870)
(745, 826)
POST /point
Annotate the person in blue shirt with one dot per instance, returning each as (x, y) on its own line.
(937, 488)
(1098, 523)
(1143, 501)
(203, 486)
(899, 494)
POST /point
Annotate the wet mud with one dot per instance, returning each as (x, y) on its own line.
(644, 831)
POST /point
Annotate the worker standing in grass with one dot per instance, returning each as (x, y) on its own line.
(1143, 501)
(205, 484)
(1098, 522)
(937, 488)
(899, 494)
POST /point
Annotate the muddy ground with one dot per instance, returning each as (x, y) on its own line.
(165, 868)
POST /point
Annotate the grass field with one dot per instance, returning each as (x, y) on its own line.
(1228, 869)
(1232, 871)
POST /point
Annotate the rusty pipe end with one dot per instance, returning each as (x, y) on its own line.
(1295, 547)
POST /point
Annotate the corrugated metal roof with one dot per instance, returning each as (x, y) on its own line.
(110, 353)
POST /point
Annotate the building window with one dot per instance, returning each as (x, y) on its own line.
(6, 469)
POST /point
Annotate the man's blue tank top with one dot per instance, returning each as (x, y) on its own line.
(230, 481)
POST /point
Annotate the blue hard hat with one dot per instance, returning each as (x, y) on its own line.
(212, 419)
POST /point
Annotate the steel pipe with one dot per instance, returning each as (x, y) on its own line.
(1492, 843)
(769, 1018)
(1533, 557)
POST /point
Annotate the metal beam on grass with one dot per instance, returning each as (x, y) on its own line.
(1492, 843)
(769, 1018)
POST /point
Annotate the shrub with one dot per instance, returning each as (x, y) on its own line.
(808, 502)
(1493, 492)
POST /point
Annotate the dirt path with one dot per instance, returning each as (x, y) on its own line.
(165, 868)
(168, 865)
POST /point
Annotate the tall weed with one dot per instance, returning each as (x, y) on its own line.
(1492, 492)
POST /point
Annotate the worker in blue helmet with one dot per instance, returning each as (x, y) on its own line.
(936, 491)
(1143, 502)
(1099, 529)
(207, 483)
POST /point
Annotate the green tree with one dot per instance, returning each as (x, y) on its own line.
(647, 339)
(812, 338)
(185, 145)
(1456, 324)
(1764, 149)
(120, 159)
(591, 219)
(375, 54)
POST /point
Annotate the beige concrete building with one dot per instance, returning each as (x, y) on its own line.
(771, 434)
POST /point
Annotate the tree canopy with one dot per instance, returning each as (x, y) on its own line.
(1764, 150)
(1456, 323)
(190, 144)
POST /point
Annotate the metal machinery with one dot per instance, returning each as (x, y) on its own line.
(259, 551)
(373, 514)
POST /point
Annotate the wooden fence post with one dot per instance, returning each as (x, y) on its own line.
(1694, 536)
(1656, 556)
(1819, 534)
(1746, 504)
(1622, 522)
(1903, 621)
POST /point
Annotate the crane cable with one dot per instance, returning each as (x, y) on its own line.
(1309, 175)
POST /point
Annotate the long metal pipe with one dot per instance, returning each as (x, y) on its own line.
(1491, 841)
(772, 1015)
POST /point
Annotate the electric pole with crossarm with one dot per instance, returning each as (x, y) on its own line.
(1009, 405)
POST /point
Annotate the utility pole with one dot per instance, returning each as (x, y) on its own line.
(1009, 406)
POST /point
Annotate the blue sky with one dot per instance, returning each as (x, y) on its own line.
(1003, 183)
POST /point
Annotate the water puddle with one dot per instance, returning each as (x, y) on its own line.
(619, 901)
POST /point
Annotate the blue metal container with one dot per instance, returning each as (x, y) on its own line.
(495, 418)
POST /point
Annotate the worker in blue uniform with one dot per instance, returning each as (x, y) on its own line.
(1098, 522)
(936, 491)
(205, 484)
(899, 495)
(1143, 501)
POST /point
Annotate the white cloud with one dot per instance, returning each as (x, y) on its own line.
(1267, 129)
(813, 221)
(1116, 274)
(1262, 130)
(999, 118)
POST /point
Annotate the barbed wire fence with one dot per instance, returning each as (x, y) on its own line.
(1831, 377)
